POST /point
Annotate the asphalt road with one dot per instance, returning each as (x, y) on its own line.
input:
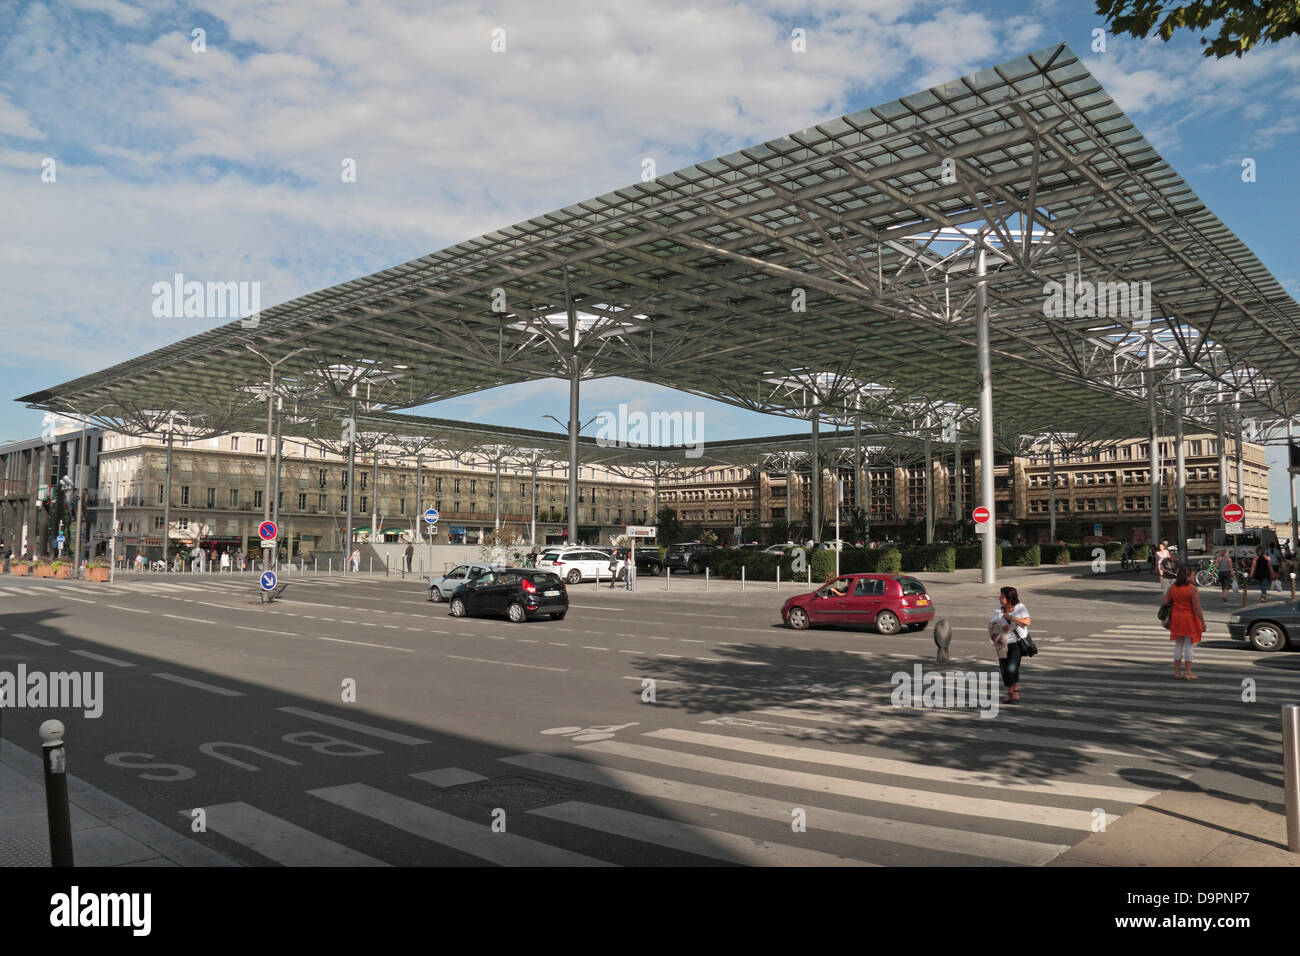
(354, 723)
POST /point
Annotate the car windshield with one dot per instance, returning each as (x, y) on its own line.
(912, 586)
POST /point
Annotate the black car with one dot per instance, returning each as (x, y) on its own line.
(519, 593)
(1268, 626)
(692, 557)
(647, 561)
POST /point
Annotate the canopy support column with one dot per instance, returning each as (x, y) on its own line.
(496, 497)
(1051, 490)
(989, 543)
(1153, 441)
(1180, 470)
(815, 474)
(352, 479)
(167, 493)
(1241, 454)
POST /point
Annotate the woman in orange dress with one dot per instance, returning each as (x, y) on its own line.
(1186, 622)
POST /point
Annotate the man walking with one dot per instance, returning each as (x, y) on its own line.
(410, 553)
(356, 560)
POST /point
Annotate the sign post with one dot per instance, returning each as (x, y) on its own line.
(981, 516)
(431, 528)
(635, 531)
(268, 531)
(1234, 517)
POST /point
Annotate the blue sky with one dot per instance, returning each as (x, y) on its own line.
(224, 164)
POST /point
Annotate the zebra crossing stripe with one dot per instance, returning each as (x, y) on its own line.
(904, 768)
(913, 836)
(862, 790)
(701, 841)
(474, 839)
(278, 839)
(354, 726)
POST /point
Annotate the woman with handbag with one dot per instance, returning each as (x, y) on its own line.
(1185, 621)
(1261, 572)
(1013, 618)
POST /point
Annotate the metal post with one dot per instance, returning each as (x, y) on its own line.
(78, 540)
(815, 477)
(496, 496)
(1180, 470)
(1291, 773)
(575, 376)
(275, 488)
(1153, 441)
(1295, 524)
(352, 480)
(778, 575)
(929, 487)
(532, 527)
(989, 543)
(419, 501)
(742, 578)
(857, 462)
(956, 480)
(706, 579)
(668, 579)
(839, 493)
(270, 437)
(57, 814)
(1051, 489)
(1241, 454)
(1223, 462)
(167, 495)
(374, 498)
(112, 541)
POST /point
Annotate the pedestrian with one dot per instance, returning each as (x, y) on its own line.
(614, 564)
(1010, 623)
(355, 558)
(1261, 572)
(1165, 567)
(1223, 564)
(1275, 564)
(1186, 623)
(225, 561)
(410, 553)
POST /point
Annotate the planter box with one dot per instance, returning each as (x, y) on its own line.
(44, 571)
(99, 575)
(22, 570)
(63, 573)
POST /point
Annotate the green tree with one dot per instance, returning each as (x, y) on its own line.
(1241, 23)
(668, 529)
(780, 530)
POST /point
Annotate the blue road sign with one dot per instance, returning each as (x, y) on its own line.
(267, 530)
(268, 580)
(59, 540)
(431, 516)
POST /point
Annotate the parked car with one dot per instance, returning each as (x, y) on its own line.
(690, 556)
(1268, 627)
(443, 587)
(648, 561)
(575, 563)
(887, 602)
(519, 593)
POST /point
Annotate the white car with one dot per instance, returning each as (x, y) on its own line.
(442, 588)
(575, 564)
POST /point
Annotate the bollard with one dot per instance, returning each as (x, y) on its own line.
(706, 579)
(597, 579)
(1293, 585)
(810, 574)
(315, 566)
(386, 572)
(370, 565)
(742, 577)
(778, 577)
(668, 579)
(1291, 773)
(56, 793)
(942, 640)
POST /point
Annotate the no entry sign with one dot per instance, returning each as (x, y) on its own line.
(981, 515)
(1233, 513)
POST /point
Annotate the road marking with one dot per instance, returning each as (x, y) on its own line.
(475, 839)
(266, 630)
(556, 644)
(588, 647)
(882, 793)
(133, 610)
(69, 597)
(100, 657)
(449, 777)
(900, 832)
(687, 640)
(674, 656)
(195, 620)
(278, 839)
(526, 640)
(35, 640)
(210, 688)
(904, 768)
(387, 647)
(380, 732)
(701, 841)
(482, 660)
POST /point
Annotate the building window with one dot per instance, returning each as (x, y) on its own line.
(257, 499)
(234, 497)
(437, 485)
(234, 443)
(365, 504)
(212, 497)
(320, 502)
(185, 494)
(343, 503)
(437, 505)
(473, 486)
(323, 478)
(302, 501)
(261, 445)
(455, 487)
(365, 480)
(157, 522)
(401, 506)
(455, 508)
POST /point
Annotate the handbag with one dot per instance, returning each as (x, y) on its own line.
(1027, 646)
(1163, 614)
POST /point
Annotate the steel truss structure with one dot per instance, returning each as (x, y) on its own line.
(876, 270)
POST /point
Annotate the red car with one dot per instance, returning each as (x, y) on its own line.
(888, 602)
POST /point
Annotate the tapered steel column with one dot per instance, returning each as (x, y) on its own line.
(1241, 455)
(929, 488)
(1051, 488)
(575, 376)
(352, 482)
(1223, 461)
(496, 496)
(374, 497)
(279, 443)
(1295, 523)
(167, 493)
(270, 437)
(859, 490)
(988, 545)
(1153, 441)
(419, 498)
(1180, 469)
(532, 528)
(815, 488)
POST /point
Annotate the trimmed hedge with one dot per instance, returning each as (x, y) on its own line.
(1055, 554)
(758, 566)
(1142, 552)
(941, 558)
(1022, 556)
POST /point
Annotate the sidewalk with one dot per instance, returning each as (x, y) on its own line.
(105, 831)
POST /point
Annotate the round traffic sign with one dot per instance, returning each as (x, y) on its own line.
(268, 580)
(981, 515)
(431, 516)
(1233, 512)
(267, 530)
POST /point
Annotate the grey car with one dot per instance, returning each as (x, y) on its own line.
(1267, 627)
(442, 588)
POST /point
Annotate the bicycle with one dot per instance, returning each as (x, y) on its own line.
(1206, 575)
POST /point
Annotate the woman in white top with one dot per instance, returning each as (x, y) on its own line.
(1010, 623)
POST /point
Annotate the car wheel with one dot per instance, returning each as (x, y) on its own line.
(435, 595)
(799, 619)
(457, 607)
(887, 622)
(559, 616)
(1267, 636)
(693, 568)
(516, 613)
(654, 570)
(574, 576)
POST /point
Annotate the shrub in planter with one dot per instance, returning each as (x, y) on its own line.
(1055, 554)
(1024, 557)
(62, 569)
(929, 557)
(43, 568)
(20, 568)
(1114, 550)
(97, 571)
(972, 556)
(1142, 552)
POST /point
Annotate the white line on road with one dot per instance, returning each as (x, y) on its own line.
(107, 660)
(588, 647)
(352, 725)
(195, 620)
(387, 647)
(278, 839)
(35, 640)
(210, 688)
(266, 630)
(133, 610)
(482, 660)
(69, 597)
